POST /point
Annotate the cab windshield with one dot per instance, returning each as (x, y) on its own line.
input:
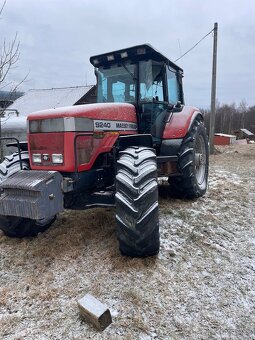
(117, 84)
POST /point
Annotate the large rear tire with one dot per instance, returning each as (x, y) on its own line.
(193, 164)
(11, 164)
(13, 226)
(137, 202)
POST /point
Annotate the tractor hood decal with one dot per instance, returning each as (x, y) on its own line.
(114, 125)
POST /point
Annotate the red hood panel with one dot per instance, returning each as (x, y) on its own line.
(114, 111)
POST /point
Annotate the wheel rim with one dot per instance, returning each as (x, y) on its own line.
(200, 159)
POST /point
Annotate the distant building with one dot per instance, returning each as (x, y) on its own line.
(8, 97)
(244, 134)
(43, 99)
(14, 122)
(224, 139)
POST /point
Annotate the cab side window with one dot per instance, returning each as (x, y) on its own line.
(173, 86)
(151, 81)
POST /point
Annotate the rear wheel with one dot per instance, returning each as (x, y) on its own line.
(192, 164)
(11, 164)
(137, 202)
(13, 226)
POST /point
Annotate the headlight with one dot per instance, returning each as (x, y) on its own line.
(57, 158)
(37, 158)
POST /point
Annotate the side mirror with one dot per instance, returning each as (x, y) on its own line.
(178, 105)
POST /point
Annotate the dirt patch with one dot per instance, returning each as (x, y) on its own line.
(200, 286)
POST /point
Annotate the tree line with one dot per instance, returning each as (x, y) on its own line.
(232, 117)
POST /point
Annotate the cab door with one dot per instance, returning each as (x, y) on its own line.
(153, 99)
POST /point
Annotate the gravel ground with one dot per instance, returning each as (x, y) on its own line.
(200, 286)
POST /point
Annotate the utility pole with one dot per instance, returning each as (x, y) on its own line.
(213, 90)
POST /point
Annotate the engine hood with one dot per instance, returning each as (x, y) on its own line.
(104, 111)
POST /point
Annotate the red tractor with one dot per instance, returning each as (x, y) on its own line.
(109, 153)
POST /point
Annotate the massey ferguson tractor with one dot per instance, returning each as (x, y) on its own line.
(110, 153)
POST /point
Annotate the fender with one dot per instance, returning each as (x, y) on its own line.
(137, 140)
(181, 122)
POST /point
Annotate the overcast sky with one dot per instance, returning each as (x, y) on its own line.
(57, 37)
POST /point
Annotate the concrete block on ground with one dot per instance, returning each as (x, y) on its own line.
(95, 311)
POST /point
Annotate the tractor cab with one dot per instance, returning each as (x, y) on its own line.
(144, 77)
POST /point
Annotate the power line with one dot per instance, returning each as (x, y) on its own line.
(194, 45)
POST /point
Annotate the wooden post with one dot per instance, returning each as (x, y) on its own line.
(94, 311)
(213, 90)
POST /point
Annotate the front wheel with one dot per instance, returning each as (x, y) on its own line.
(19, 227)
(137, 202)
(193, 164)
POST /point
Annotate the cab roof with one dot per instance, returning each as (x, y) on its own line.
(132, 54)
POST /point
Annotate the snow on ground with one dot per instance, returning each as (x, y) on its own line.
(200, 286)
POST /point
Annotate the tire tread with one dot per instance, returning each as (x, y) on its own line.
(137, 202)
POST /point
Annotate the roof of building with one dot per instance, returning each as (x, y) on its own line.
(42, 99)
(225, 135)
(9, 95)
(247, 132)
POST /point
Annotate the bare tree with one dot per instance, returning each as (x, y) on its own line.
(231, 117)
(243, 108)
(9, 56)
